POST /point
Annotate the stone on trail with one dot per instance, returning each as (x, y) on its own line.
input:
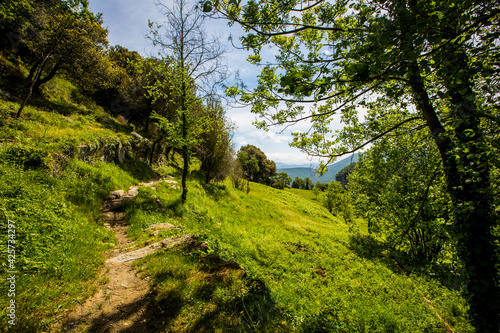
(117, 194)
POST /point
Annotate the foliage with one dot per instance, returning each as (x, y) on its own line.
(305, 254)
(342, 175)
(195, 64)
(256, 165)
(316, 192)
(400, 189)
(337, 200)
(308, 184)
(321, 186)
(298, 183)
(12, 10)
(71, 39)
(281, 180)
(215, 147)
(59, 245)
(407, 64)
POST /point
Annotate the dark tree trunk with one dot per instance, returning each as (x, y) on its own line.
(470, 187)
(33, 70)
(167, 153)
(32, 84)
(467, 172)
(47, 78)
(185, 156)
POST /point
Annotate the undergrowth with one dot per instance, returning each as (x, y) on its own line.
(59, 237)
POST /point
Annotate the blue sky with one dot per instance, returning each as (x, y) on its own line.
(127, 23)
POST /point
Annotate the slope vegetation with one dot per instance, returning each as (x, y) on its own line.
(272, 261)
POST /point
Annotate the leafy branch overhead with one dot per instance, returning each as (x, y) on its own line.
(384, 69)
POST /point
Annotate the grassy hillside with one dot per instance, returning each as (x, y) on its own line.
(303, 269)
(52, 203)
(318, 276)
(326, 178)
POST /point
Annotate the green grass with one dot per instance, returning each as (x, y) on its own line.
(320, 276)
(59, 236)
(307, 194)
(54, 202)
(54, 132)
(306, 271)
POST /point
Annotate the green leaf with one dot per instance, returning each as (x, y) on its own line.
(207, 7)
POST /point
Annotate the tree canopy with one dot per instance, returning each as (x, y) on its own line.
(257, 166)
(379, 66)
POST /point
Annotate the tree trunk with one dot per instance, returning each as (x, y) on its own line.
(33, 71)
(468, 182)
(185, 156)
(30, 89)
(471, 191)
(46, 79)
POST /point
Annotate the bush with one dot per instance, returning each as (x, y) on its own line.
(27, 157)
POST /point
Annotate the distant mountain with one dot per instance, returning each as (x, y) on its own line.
(281, 165)
(333, 169)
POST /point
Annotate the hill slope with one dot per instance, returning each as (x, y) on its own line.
(318, 275)
(304, 269)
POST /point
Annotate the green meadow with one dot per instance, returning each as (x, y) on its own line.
(318, 274)
(276, 260)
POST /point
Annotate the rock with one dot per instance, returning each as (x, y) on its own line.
(121, 154)
(170, 181)
(117, 194)
(162, 226)
(137, 136)
(133, 191)
(141, 253)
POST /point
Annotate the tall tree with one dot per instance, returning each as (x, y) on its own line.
(64, 37)
(215, 147)
(413, 64)
(197, 61)
(266, 168)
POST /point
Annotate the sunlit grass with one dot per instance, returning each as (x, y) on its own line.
(320, 275)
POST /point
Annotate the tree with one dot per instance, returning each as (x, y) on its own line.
(298, 182)
(12, 10)
(412, 64)
(401, 191)
(308, 184)
(341, 176)
(249, 165)
(321, 186)
(281, 180)
(214, 149)
(266, 168)
(64, 37)
(197, 66)
(333, 199)
(316, 191)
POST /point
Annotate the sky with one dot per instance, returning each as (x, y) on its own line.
(127, 23)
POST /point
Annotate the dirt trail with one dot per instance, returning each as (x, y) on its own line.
(121, 304)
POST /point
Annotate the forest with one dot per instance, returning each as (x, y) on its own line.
(107, 154)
